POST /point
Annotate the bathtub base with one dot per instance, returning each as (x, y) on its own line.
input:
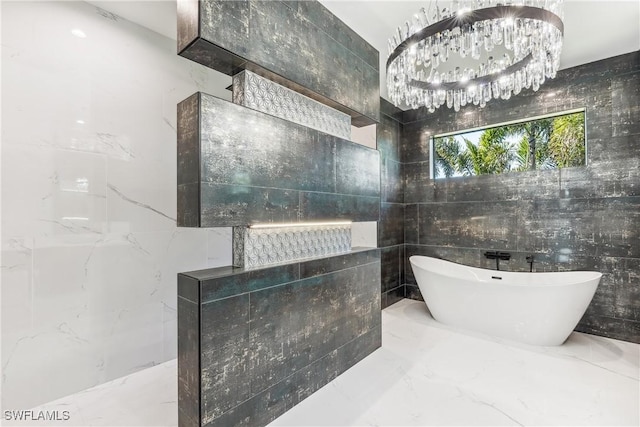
(531, 308)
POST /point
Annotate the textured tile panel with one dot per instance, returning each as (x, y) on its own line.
(255, 247)
(262, 94)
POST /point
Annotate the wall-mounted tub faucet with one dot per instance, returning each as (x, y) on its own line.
(530, 262)
(505, 256)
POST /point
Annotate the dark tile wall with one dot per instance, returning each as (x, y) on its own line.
(570, 219)
(238, 166)
(392, 208)
(298, 44)
(254, 343)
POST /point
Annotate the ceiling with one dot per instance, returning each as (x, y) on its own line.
(594, 29)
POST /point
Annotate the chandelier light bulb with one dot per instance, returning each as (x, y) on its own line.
(465, 55)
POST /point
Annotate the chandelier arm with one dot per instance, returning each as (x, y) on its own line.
(477, 81)
(470, 18)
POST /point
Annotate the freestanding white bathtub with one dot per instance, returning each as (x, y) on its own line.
(533, 308)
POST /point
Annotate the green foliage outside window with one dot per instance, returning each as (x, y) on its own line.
(549, 143)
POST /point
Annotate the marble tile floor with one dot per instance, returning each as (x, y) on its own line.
(425, 374)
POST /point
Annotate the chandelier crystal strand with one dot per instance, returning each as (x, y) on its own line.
(478, 51)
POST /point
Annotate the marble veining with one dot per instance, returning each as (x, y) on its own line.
(425, 374)
(262, 94)
(90, 247)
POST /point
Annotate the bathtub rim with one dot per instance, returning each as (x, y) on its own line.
(585, 275)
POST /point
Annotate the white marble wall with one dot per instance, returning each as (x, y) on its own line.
(90, 248)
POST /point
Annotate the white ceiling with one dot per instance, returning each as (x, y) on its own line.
(594, 29)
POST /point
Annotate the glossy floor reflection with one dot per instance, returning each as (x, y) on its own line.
(429, 374)
(425, 374)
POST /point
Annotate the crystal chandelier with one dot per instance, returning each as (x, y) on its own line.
(474, 52)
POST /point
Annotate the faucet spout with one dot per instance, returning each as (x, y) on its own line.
(505, 256)
(530, 262)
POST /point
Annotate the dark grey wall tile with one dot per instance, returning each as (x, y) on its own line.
(340, 262)
(225, 24)
(390, 267)
(285, 338)
(188, 363)
(616, 178)
(418, 187)
(187, 14)
(413, 292)
(415, 141)
(189, 135)
(325, 206)
(260, 352)
(235, 205)
(411, 224)
(471, 225)
(271, 403)
(593, 227)
(391, 174)
(188, 204)
(625, 92)
(188, 157)
(286, 44)
(391, 225)
(466, 256)
(247, 176)
(358, 348)
(540, 184)
(388, 137)
(391, 181)
(390, 110)
(318, 15)
(224, 360)
(604, 149)
(188, 288)
(304, 53)
(598, 70)
(357, 169)
(338, 307)
(216, 288)
(610, 327)
(240, 146)
(393, 296)
(621, 275)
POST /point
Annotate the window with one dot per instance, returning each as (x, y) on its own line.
(549, 142)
